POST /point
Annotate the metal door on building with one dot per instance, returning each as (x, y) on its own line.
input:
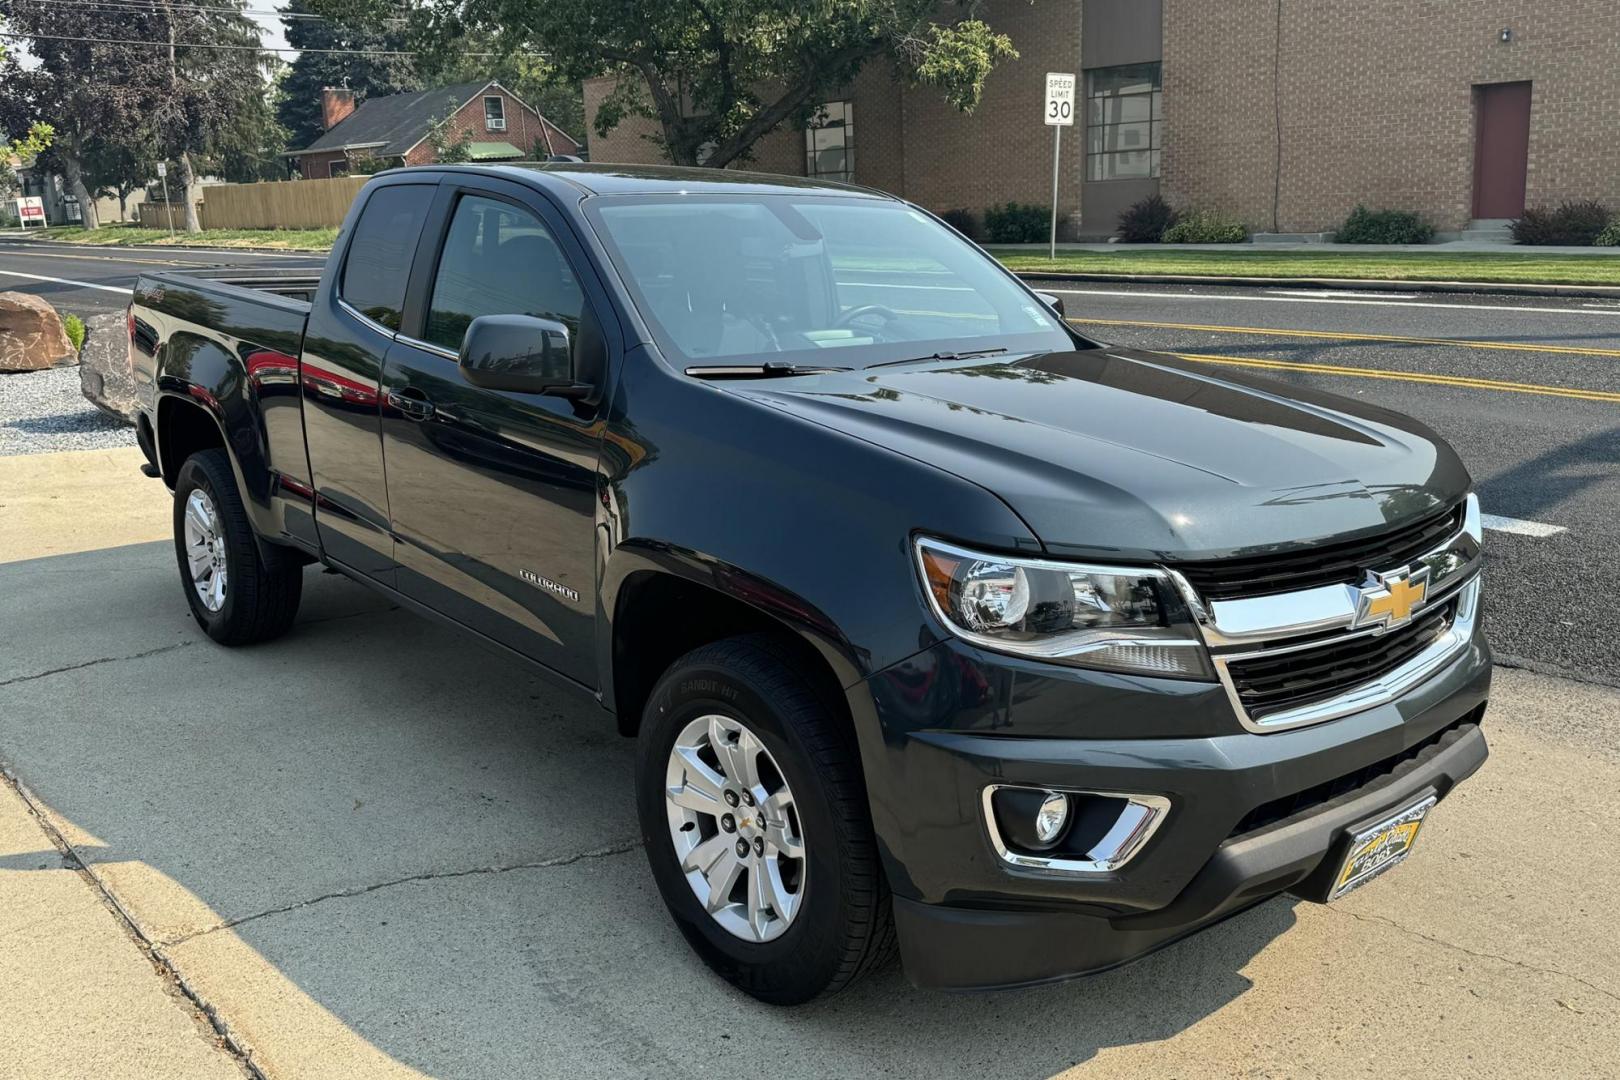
(1501, 148)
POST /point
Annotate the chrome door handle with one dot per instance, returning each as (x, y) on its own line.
(411, 407)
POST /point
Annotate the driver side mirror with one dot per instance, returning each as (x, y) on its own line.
(521, 354)
(1054, 302)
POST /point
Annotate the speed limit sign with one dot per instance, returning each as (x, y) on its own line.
(1059, 110)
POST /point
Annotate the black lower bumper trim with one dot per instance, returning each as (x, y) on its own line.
(972, 948)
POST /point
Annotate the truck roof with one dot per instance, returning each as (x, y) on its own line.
(604, 178)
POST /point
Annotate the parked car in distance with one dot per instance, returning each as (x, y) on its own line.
(940, 627)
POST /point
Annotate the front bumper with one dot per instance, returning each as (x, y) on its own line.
(1252, 815)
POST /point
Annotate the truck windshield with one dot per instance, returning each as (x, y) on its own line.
(740, 279)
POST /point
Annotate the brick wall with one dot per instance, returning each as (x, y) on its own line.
(1377, 104)
(524, 127)
(318, 166)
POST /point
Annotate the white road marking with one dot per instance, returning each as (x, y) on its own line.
(1538, 529)
(1324, 300)
(1358, 295)
(66, 281)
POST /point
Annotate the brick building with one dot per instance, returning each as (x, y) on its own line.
(394, 129)
(1284, 113)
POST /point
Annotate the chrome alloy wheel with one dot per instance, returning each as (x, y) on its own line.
(735, 828)
(205, 549)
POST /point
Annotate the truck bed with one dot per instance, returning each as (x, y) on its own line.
(294, 283)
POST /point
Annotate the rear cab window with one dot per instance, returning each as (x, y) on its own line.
(378, 262)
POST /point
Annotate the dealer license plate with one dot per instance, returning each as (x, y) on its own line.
(1381, 847)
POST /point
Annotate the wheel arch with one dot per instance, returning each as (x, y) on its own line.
(660, 602)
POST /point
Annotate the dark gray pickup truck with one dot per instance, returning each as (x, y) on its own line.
(938, 624)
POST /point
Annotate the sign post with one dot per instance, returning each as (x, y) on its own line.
(168, 209)
(1058, 114)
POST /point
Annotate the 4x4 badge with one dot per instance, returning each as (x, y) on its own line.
(1388, 600)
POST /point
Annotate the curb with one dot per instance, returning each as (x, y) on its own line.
(1601, 292)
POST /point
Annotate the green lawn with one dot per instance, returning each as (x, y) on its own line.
(132, 235)
(1522, 266)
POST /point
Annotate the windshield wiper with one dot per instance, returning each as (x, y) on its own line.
(770, 369)
(965, 355)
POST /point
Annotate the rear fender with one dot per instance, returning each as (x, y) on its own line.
(197, 373)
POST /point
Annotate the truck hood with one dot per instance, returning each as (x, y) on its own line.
(1119, 453)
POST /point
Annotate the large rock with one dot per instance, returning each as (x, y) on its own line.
(31, 335)
(105, 373)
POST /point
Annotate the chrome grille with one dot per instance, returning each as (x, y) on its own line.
(1345, 562)
(1267, 685)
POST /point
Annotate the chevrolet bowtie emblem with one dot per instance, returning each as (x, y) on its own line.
(1389, 599)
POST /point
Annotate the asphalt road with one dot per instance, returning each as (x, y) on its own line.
(83, 280)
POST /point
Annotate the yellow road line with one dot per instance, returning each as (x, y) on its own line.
(1338, 335)
(1408, 376)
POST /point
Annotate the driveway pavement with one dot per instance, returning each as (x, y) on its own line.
(372, 849)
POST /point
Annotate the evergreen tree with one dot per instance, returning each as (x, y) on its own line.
(299, 110)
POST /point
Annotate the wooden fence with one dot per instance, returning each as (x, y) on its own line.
(283, 204)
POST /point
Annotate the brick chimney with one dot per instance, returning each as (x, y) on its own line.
(337, 102)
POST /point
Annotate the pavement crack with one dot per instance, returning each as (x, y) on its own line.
(165, 969)
(1478, 954)
(440, 875)
(92, 663)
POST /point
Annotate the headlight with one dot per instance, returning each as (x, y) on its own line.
(1109, 617)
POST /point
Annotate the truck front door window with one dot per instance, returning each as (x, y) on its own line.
(498, 260)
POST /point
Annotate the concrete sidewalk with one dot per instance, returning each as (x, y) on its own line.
(373, 849)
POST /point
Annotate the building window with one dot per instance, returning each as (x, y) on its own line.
(337, 168)
(494, 114)
(1124, 121)
(829, 143)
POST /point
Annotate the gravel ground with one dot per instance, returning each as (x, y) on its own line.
(44, 411)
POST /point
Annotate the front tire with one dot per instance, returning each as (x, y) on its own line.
(237, 595)
(754, 817)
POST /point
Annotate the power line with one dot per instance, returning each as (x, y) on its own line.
(156, 7)
(243, 48)
(232, 48)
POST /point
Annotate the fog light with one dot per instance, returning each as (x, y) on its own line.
(1052, 816)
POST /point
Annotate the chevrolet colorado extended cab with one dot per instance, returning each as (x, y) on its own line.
(941, 627)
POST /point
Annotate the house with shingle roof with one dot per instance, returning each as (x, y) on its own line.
(395, 130)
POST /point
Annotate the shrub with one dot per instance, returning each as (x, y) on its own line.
(1017, 223)
(1610, 236)
(1206, 227)
(75, 331)
(1577, 224)
(1365, 226)
(1145, 222)
(963, 221)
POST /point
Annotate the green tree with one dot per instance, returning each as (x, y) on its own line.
(118, 168)
(79, 87)
(196, 97)
(717, 75)
(378, 31)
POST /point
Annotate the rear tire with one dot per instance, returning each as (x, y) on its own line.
(237, 595)
(745, 695)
